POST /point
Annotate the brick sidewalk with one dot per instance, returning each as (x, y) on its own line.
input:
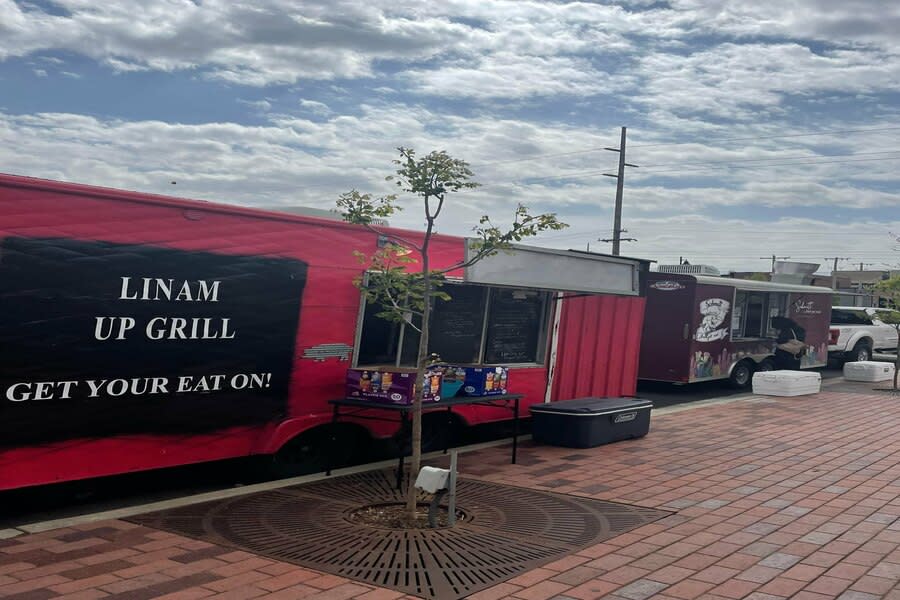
(774, 498)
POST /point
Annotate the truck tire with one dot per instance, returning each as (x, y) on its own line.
(309, 452)
(741, 375)
(861, 352)
(767, 364)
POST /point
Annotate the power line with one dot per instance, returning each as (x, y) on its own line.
(773, 158)
(579, 175)
(773, 137)
(714, 140)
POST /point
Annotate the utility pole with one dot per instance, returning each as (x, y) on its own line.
(834, 269)
(620, 185)
(774, 258)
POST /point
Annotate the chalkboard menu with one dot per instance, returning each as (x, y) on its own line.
(514, 328)
(456, 325)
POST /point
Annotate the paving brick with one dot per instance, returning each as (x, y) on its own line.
(641, 589)
(496, 592)
(29, 585)
(542, 590)
(577, 575)
(241, 593)
(293, 577)
(591, 590)
(735, 588)
(828, 585)
(689, 589)
(382, 594)
(873, 585)
(237, 581)
(782, 587)
(194, 593)
(341, 592)
(83, 584)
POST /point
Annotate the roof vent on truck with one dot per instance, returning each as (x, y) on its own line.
(688, 269)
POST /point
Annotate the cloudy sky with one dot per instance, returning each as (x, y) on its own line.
(759, 127)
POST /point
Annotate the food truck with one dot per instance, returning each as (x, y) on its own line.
(140, 331)
(702, 328)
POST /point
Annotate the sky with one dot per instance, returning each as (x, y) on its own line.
(758, 128)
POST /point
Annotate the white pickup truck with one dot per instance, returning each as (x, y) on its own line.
(856, 332)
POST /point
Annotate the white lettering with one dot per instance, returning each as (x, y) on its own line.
(184, 383)
(156, 334)
(117, 387)
(185, 293)
(95, 387)
(208, 294)
(67, 388)
(240, 381)
(104, 333)
(157, 288)
(225, 335)
(177, 329)
(43, 390)
(15, 396)
(159, 385)
(165, 287)
(123, 295)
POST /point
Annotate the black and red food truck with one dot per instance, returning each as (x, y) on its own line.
(702, 328)
(140, 331)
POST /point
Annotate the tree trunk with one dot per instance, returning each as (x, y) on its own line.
(415, 463)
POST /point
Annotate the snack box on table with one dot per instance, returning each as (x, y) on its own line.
(391, 385)
(868, 370)
(485, 381)
(786, 383)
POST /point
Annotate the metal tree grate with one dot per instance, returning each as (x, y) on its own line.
(507, 531)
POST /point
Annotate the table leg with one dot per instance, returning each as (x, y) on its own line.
(449, 429)
(405, 434)
(515, 431)
(332, 446)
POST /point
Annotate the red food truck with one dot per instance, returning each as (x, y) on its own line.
(141, 331)
(702, 328)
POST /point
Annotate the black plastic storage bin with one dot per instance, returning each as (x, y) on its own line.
(589, 422)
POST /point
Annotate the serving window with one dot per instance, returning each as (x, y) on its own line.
(478, 325)
(753, 311)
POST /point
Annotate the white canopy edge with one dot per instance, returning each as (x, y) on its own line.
(539, 268)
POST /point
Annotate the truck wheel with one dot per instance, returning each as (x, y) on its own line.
(767, 365)
(860, 353)
(309, 452)
(741, 375)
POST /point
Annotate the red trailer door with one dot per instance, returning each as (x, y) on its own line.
(599, 343)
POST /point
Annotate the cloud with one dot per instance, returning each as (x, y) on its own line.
(260, 105)
(252, 44)
(745, 81)
(317, 108)
(505, 75)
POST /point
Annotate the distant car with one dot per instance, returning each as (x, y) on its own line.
(856, 332)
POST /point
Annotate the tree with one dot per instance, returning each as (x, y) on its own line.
(890, 289)
(406, 293)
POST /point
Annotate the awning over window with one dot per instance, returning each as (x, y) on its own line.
(557, 270)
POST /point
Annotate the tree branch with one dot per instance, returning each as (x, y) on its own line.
(393, 236)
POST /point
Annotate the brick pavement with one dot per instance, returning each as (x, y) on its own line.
(773, 498)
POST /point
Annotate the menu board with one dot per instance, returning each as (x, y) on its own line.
(514, 328)
(456, 324)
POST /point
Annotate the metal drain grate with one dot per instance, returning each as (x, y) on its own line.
(508, 530)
